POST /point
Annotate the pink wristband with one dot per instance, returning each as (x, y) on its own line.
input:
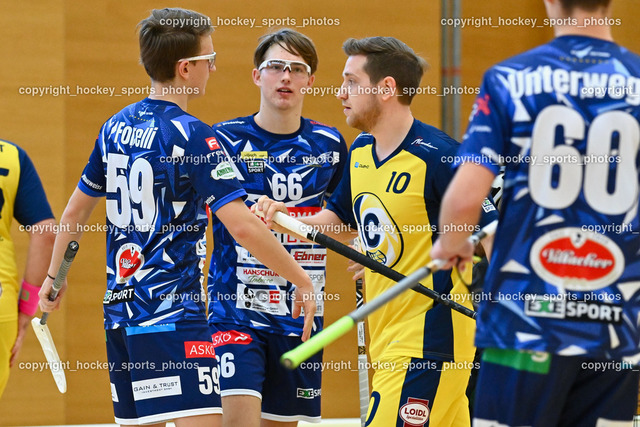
(29, 299)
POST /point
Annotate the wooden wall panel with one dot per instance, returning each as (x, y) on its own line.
(483, 46)
(32, 56)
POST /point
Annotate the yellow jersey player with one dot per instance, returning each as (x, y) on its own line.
(396, 175)
(21, 197)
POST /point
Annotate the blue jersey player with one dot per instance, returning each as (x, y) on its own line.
(560, 317)
(158, 166)
(278, 153)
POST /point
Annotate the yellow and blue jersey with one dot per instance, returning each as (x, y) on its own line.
(395, 205)
(21, 197)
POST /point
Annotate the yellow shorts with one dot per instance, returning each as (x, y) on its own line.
(419, 392)
(8, 332)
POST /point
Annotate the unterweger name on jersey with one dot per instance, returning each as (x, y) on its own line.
(121, 133)
(546, 79)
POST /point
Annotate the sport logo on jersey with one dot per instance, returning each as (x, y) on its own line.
(255, 160)
(212, 143)
(577, 260)
(308, 393)
(564, 308)
(415, 412)
(126, 294)
(379, 232)
(129, 259)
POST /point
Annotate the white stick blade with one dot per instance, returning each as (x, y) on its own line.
(50, 352)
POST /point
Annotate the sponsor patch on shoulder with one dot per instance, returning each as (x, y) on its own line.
(212, 143)
(223, 171)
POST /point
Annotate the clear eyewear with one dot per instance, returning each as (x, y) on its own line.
(210, 57)
(277, 66)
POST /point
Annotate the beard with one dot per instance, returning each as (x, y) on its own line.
(367, 119)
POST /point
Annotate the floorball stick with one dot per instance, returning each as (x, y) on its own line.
(40, 325)
(310, 233)
(293, 358)
(363, 372)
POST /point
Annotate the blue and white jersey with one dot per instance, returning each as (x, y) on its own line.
(565, 272)
(299, 169)
(157, 167)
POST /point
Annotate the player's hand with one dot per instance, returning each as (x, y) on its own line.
(23, 324)
(459, 257)
(305, 298)
(48, 306)
(355, 268)
(269, 207)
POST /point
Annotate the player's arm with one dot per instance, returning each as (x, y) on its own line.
(327, 221)
(41, 238)
(73, 220)
(32, 208)
(461, 207)
(252, 234)
(479, 164)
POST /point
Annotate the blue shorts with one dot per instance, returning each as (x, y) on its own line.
(250, 365)
(525, 388)
(162, 372)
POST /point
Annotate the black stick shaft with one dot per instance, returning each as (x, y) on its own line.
(356, 256)
(69, 255)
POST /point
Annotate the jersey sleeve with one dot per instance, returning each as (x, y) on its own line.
(340, 200)
(335, 180)
(31, 205)
(444, 171)
(93, 181)
(488, 131)
(210, 172)
(443, 177)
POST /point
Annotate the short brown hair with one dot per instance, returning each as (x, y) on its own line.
(388, 56)
(168, 35)
(587, 5)
(290, 40)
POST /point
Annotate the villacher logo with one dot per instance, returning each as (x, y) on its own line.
(577, 260)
